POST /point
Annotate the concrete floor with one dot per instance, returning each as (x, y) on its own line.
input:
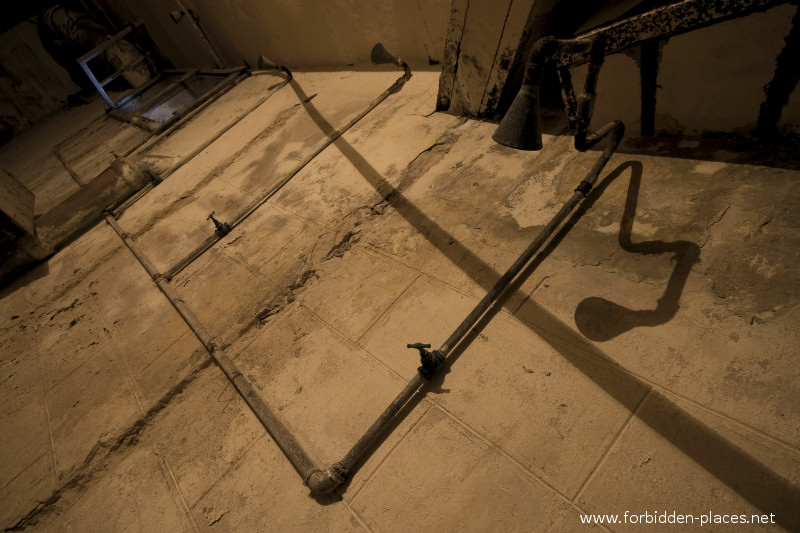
(647, 364)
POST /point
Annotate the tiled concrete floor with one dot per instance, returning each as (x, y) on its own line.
(647, 364)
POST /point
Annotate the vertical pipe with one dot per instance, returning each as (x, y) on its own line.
(648, 71)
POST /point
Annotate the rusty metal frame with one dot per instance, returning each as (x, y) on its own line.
(663, 22)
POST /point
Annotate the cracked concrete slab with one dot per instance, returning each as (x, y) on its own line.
(296, 359)
(246, 498)
(691, 475)
(204, 433)
(615, 377)
(440, 456)
(152, 503)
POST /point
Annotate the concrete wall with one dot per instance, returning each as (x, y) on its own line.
(296, 33)
(32, 85)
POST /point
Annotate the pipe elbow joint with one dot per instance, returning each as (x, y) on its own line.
(585, 140)
(327, 480)
(543, 50)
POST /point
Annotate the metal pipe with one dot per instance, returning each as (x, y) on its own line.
(520, 127)
(666, 21)
(615, 131)
(258, 202)
(150, 143)
(313, 475)
(197, 149)
(323, 480)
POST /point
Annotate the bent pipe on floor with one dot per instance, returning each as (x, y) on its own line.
(431, 361)
(193, 112)
(324, 480)
(319, 480)
(332, 136)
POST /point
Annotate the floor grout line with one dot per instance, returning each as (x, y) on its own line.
(357, 516)
(43, 395)
(502, 452)
(125, 365)
(392, 371)
(233, 464)
(633, 414)
(583, 354)
(178, 490)
(402, 438)
(388, 307)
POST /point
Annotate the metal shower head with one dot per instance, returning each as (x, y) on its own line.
(382, 55)
(177, 15)
(267, 64)
(521, 127)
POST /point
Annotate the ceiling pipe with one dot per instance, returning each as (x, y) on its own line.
(521, 126)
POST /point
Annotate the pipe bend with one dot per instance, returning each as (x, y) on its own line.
(585, 140)
(543, 50)
(327, 480)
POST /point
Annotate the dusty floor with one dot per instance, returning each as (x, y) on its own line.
(647, 364)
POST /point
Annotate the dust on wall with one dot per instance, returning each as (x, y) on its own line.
(32, 85)
(295, 33)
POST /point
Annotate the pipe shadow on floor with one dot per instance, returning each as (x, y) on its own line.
(754, 481)
(600, 319)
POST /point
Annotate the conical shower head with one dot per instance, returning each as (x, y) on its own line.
(381, 55)
(521, 127)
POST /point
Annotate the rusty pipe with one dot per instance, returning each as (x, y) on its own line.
(613, 131)
(258, 202)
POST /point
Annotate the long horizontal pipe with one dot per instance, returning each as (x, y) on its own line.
(665, 21)
(302, 461)
(225, 129)
(258, 202)
(194, 111)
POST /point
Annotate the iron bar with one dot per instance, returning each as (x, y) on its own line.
(666, 21)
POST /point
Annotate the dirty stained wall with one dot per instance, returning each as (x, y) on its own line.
(32, 85)
(299, 34)
(711, 79)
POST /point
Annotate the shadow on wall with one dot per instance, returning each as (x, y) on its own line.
(600, 319)
(744, 474)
